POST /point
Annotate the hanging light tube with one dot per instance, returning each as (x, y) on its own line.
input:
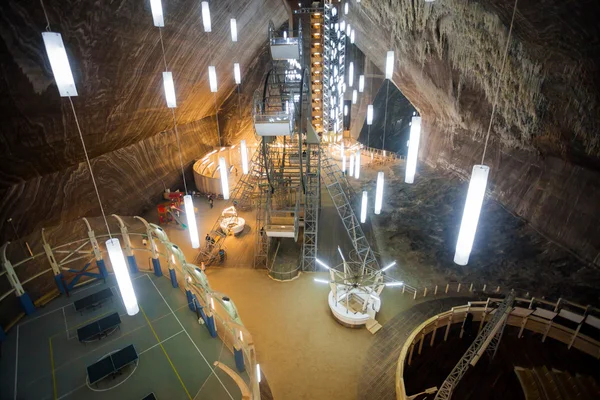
(357, 164)
(321, 263)
(470, 218)
(413, 150)
(352, 36)
(354, 96)
(348, 29)
(389, 65)
(363, 207)
(258, 373)
(212, 78)
(345, 110)
(394, 284)
(351, 169)
(237, 75)
(169, 86)
(59, 62)
(233, 25)
(244, 151)
(117, 260)
(321, 280)
(191, 220)
(224, 178)
(206, 17)
(361, 83)
(344, 162)
(379, 192)
(388, 267)
(346, 8)
(342, 26)
(157, 13)
(370, 114)
(351, 74)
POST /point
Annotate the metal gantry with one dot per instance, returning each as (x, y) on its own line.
(487, 340)
(311, 207)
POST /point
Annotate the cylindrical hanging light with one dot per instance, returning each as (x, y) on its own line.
(413, 150)
(470, 219)
(345, 110)
(169, 89)
(237, 75)
(343, 161)
(346, 8)
(157, 13)
(370, 114)
(351, 74)
(379, 193)
(363, 208)
(117, 260)
(59, 63)
(351, 169)
(224, 177)
(348, 29)
(244, 151)
(354, 96)
(357, 164)
(352, 36)
(389, 65)
(206, 17)
(191, 220)
(212, 78)
(233, 25)
(361, 83)
(342, 26)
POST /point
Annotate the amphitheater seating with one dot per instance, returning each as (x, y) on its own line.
(540, 383)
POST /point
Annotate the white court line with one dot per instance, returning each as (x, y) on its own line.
(66, 325)
(139, 354)
(188, 335)
(16, 363)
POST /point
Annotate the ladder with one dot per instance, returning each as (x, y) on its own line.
(244, 189)
(311, 207)
(338, 188)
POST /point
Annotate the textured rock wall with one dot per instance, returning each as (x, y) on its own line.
(116, 57)
(543, 149)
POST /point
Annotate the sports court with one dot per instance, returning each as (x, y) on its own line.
(176, 354)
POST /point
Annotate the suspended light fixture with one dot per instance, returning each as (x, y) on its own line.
(389, 65)
(354, 96)
(244, 151)
(343, 161)
(224, 177)
(379, 193)
(212, 78)
(237, 74)
(346, 8)
(157, 13)
(413, 150)
(117, 260)
(357, 164)
(370, 114)
(361, 83)
(233, 25)
(191, 220)
(59, 63)
(258, 373)
(352, 36)
(206, 17)
(169, 89)
(351, 74)
(470, 219)
(348, 29)
(345, 110)
(342, 26)
(363, 208)
(388, 266)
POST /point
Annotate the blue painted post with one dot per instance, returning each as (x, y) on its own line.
(239, 358)
(102, 268)
(190, 299)
(210, 324)
(133, 268)
(59, 282)
(156, 265)
(173, 276)
(26, 303)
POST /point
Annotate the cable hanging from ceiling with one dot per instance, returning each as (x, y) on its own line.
(479, 176)
(63, 76)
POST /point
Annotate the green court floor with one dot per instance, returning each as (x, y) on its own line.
(42, 358)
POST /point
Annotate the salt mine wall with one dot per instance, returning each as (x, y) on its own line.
(115, 53)
(544, 148)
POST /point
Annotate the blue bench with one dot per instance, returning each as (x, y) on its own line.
(111, 364)
(99, 328)
(93, 300)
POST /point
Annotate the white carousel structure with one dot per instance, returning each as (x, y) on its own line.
(231, 223)
(354, 298)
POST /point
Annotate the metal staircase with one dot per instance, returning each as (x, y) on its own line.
(312, 200)
(245, 188)
(339, 189)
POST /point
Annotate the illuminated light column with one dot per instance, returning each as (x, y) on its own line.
(470, 219)
(191, 220)
(169, 89)
(157, 13)
(354, 96)
(224, 177)
(345, 110)
(117, 260)
(363, 207)
(357, 164)
(346, 8)
(413, 150)
(361, 83)
(389, 65)
(352, 36)
(206, 17)
(370, 114)
(212, 78)
(351, 74)
(237, 75)
(244, 151)
(233, 25)
(351, 169)
(59, 63)
(379, 193)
